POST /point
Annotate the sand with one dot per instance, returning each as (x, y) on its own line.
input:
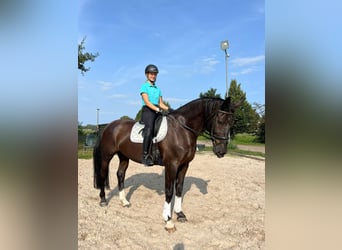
(223, 199)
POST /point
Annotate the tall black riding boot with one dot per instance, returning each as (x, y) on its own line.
(147, 157)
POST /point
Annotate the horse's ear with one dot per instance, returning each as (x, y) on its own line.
(226, 104)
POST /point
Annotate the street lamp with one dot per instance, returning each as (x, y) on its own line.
(97, 120)
(225, 46)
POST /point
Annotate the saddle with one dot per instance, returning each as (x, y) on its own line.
(159, 133)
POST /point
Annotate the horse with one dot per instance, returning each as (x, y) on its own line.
(212, 117)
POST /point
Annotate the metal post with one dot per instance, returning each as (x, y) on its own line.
(97, 120)
(227, 88)
(225, 46)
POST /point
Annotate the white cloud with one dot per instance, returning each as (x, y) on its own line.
(207, 65)
(244, 71)
(134, 103)
(245, 61)
(247, 65)
(105, 85)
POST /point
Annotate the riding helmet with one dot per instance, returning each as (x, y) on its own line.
(151, 69)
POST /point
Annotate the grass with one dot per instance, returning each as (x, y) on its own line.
(245, 139)
(84, 154)
(240, 139)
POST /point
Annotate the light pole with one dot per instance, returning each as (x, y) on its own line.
(97, 120)
(225, 46)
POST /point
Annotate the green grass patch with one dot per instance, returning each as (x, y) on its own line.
(201, 138)
(245, 139)
(239, 139)
(85, 154)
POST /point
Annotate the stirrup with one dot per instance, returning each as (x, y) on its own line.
(147, 161)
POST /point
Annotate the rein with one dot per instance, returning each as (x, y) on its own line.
(206, 134)
(186, 127)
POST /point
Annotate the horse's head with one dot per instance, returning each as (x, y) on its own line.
(221, 124)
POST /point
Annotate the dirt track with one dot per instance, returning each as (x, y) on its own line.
(223, 201)
(252, 148)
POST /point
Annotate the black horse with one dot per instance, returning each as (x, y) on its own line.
(213, 116)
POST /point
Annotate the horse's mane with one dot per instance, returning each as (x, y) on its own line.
(210, 104)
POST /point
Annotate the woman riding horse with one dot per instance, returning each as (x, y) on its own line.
(152, 102)
(213, 116)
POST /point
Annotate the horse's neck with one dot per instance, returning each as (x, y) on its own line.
(199, 113)
(194, 116)
(192, 120)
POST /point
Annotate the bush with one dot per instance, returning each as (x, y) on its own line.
(244, 138)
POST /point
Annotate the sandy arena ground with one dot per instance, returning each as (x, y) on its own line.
(223, 199)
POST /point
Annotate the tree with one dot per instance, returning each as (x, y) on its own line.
(125, 117)
(261, 130)
(210, 93)
(246, 118)
(138, 116)
(80, 129)
(260, 108)
(83, 57)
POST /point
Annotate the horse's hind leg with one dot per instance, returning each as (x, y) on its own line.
(103, 178)
(101, 165)
(101, 182)
(121, 173)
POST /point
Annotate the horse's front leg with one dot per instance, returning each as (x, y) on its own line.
(121, 173)
(170, 175)
(179, 190)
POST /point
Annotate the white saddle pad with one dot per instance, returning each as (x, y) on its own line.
(136, 133)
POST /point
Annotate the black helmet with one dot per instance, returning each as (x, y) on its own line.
(151, 69)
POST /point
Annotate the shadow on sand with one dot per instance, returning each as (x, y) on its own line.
(155, 182)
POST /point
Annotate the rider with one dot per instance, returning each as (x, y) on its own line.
(152, 102)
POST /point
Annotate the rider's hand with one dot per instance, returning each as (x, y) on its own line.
(163, 112)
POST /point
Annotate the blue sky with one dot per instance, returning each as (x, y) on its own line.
(182, 38)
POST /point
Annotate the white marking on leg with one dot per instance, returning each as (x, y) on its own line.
(167, 211)
(122, 197)
(178, 204)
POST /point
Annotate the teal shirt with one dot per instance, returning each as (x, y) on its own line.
(153, 92)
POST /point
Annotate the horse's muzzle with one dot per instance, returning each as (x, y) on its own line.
(219, 155)
(220, 150)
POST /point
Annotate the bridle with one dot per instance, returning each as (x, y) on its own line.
(212, 135)
(209, 135)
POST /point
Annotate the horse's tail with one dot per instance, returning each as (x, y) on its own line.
(97, 163)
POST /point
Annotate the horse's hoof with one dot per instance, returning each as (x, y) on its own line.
(181, 217)
(125, 203)
(170, 227)
(171, 230)
(103, 203)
